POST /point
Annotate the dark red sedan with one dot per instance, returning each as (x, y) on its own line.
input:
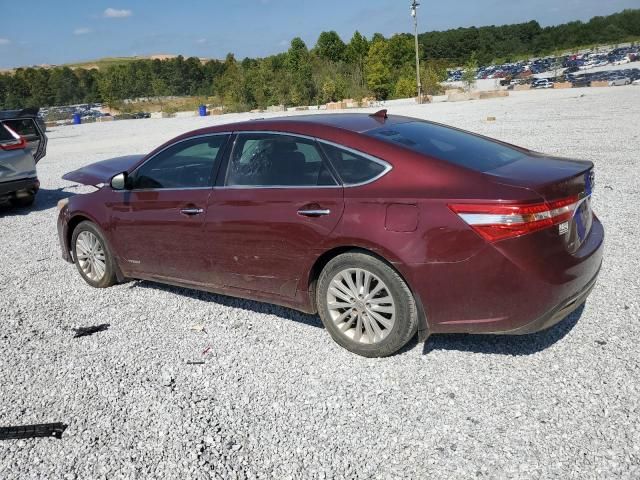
(384, 225)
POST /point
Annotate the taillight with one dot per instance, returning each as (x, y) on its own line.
(499, 221)
(17, 143)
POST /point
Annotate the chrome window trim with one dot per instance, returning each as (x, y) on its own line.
(164, 189)
(387, 167)
(204, 135)
(273, 187)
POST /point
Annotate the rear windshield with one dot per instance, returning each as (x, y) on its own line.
(449, 144)
(5, 136)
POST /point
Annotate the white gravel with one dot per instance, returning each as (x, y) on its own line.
(277, 398)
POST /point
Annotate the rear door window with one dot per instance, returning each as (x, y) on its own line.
(273, 160)
(449, 144)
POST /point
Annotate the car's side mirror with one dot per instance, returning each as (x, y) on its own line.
(119, 181)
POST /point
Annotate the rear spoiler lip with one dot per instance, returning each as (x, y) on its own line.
(31, 114)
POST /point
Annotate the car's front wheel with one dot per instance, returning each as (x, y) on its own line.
(365, 305)
(92, 256)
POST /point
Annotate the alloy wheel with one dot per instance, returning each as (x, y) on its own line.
(361, 306)
(90, 256)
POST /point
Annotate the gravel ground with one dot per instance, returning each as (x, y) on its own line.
(276, 397)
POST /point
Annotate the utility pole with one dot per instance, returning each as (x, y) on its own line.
(414, 14)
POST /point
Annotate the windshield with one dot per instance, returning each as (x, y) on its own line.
(449, 144)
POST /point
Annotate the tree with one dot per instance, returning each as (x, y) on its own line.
(37, 80)
(160, 89)
(432, 74)
(64, 86)
(232, 84)
(356, 55)
(470, 72)
(88, 84)
(330, 47)
(300, 70)
(113, 85)
(401, 52)
(405, 87)
(378, 72)
(357, 49)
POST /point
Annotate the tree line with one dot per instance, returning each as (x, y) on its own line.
(330, 71)
(508, 43)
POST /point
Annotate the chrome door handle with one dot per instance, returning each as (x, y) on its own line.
(313, 213)
(192, 211)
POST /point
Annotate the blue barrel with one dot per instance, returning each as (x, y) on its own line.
(77, 120)
(202, 109)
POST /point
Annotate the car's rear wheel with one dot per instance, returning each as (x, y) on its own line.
(365, 305)
(92, 256)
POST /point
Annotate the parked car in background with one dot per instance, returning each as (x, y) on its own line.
(580, 82)
(385, 225)
(619, 81)
(542, 83)
(23, 143)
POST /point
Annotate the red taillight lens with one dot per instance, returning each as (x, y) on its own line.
(501, 221)
(17, 143)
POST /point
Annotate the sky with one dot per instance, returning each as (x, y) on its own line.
(64, 31)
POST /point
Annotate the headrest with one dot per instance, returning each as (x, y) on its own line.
(285, 147)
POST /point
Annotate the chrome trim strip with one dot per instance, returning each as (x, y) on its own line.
(273, 187)
(165, 189)
(192, 211)
(314, 213)
(489, 219)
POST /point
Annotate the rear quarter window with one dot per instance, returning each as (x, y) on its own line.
(449, 144)
(353, 168)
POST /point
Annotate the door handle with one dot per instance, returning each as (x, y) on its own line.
(314, 212)
(192, 211)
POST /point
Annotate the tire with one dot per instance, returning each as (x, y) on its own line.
(374, 325)
(25, 201)
(96, 264)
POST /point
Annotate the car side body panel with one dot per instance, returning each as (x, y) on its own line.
(244, 234)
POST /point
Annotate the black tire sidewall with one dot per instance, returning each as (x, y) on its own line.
(109, 276)
(406, 313)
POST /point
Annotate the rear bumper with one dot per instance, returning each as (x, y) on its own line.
(557, 314)
(508, 290)
(24, 185)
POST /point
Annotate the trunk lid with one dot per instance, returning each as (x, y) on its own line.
(102, 172)
(552, 178)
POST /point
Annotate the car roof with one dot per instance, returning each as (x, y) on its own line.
(354, 122)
